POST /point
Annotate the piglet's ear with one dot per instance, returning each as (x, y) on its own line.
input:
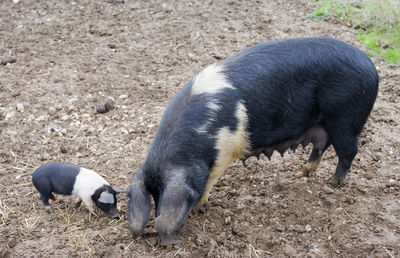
(118, 191)
(106, 197)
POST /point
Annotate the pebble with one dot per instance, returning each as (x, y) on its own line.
(328, 190)
(12, 242)
(105, 107)
(52, 110)
(290, 251)
(124, 96)
(8, 60)
(308, 228)
(9, 115)
(41, 118)
(45, 156)
(20, 107)
(63, 149)
(280, 227)
(71, 108)
(64, 117)
(282, 205)
(391, 182)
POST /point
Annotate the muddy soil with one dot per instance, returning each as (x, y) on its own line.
(73, 55)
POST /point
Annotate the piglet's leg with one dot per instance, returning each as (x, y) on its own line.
(89, 203)
(78, 202)
(45, 199)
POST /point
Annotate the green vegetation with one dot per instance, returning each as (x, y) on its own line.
(377, 23)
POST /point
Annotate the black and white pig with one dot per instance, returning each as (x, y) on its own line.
(69, 179)
(271, 96)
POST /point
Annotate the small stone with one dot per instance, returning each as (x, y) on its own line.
(41, 118)
(65, 117)
(124, 96)
(20, 107)
(101, 109)
(71, 108)
(9, 115)
(282, 205)
(52, 110)
(361, 189)
(308, 228)
(63, 149)
(8, 60)
(85, 116)
(106, 106)
(391, 182)
(350, 200)
(12, 242)
(328, 190)
(280, 227)
(45, 156)
(290, 251)
(109, 104)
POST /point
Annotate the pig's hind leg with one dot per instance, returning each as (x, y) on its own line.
(343, 136)
(45, 198)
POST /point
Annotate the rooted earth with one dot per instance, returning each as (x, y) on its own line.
(72, 56)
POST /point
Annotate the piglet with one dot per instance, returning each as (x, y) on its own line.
(70, 179)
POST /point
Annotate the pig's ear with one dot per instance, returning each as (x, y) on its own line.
(118, 191)
(139, 205)
(106, 197)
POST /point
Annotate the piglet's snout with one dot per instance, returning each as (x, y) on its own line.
(114, 215)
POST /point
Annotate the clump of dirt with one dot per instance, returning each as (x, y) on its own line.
(72, 56)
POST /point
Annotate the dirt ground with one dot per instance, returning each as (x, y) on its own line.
(73, 55)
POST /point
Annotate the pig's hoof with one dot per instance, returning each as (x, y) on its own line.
(304, 172)
(49, 209)
(200, 208)
(169, 241)
(335, 181)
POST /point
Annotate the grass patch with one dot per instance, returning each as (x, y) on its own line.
(377, 23)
